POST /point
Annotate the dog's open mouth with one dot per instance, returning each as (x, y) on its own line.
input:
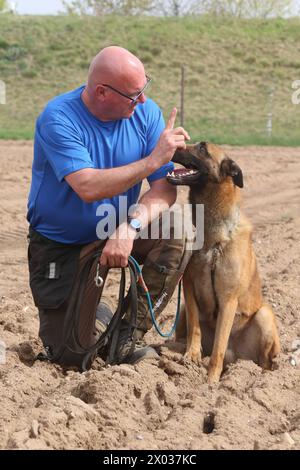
(183, 176)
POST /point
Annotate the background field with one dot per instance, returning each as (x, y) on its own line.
(237, 71)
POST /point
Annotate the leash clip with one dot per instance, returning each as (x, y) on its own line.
(98, 279)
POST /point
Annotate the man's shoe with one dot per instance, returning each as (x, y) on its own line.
(141, 351)
(103, 317)
(130, 352)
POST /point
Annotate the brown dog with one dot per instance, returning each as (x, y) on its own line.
(224, 310)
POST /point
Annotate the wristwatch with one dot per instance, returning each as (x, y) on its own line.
(135, 224)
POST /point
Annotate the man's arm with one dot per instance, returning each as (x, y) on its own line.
(159, 198)
(92, 185)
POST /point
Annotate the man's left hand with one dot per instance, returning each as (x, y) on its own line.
(118, 248)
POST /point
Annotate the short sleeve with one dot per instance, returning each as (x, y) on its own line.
(62, 147)
(156, 125)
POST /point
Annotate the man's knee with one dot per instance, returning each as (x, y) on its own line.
(164, 266)
(174, 245)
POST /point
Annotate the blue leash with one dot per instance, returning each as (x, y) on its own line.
(142, 283)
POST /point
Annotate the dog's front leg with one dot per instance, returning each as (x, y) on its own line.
(193, 347)
(227, 311)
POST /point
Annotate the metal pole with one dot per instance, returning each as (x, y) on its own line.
(182, 97)
(269, 126)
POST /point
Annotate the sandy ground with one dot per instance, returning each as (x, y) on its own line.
(165, 405)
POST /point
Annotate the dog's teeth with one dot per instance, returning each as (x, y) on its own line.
(169, 174)
(172, 174)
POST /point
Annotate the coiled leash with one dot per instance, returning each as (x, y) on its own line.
(142, 283)
(108, 340)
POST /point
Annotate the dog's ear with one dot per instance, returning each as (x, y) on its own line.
(230, 168)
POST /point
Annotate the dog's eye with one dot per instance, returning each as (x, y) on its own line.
(202, 146)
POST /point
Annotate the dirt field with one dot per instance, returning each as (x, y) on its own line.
(165, 405)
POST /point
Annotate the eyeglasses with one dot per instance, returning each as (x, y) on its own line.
(133, 99)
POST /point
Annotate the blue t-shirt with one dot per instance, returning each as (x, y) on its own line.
(69, 138)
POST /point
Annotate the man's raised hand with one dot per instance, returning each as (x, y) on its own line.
(172, 119)
(170, 140)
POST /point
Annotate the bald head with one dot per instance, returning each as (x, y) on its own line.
(115, 76)
(114, 65)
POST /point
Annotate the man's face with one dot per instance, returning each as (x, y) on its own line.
(122, 97)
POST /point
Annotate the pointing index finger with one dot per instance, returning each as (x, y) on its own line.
(172, 119)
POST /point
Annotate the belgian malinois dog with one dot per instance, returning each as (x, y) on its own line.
(224, 315)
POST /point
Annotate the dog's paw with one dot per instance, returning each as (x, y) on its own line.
(194, 356)
(213, 375)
